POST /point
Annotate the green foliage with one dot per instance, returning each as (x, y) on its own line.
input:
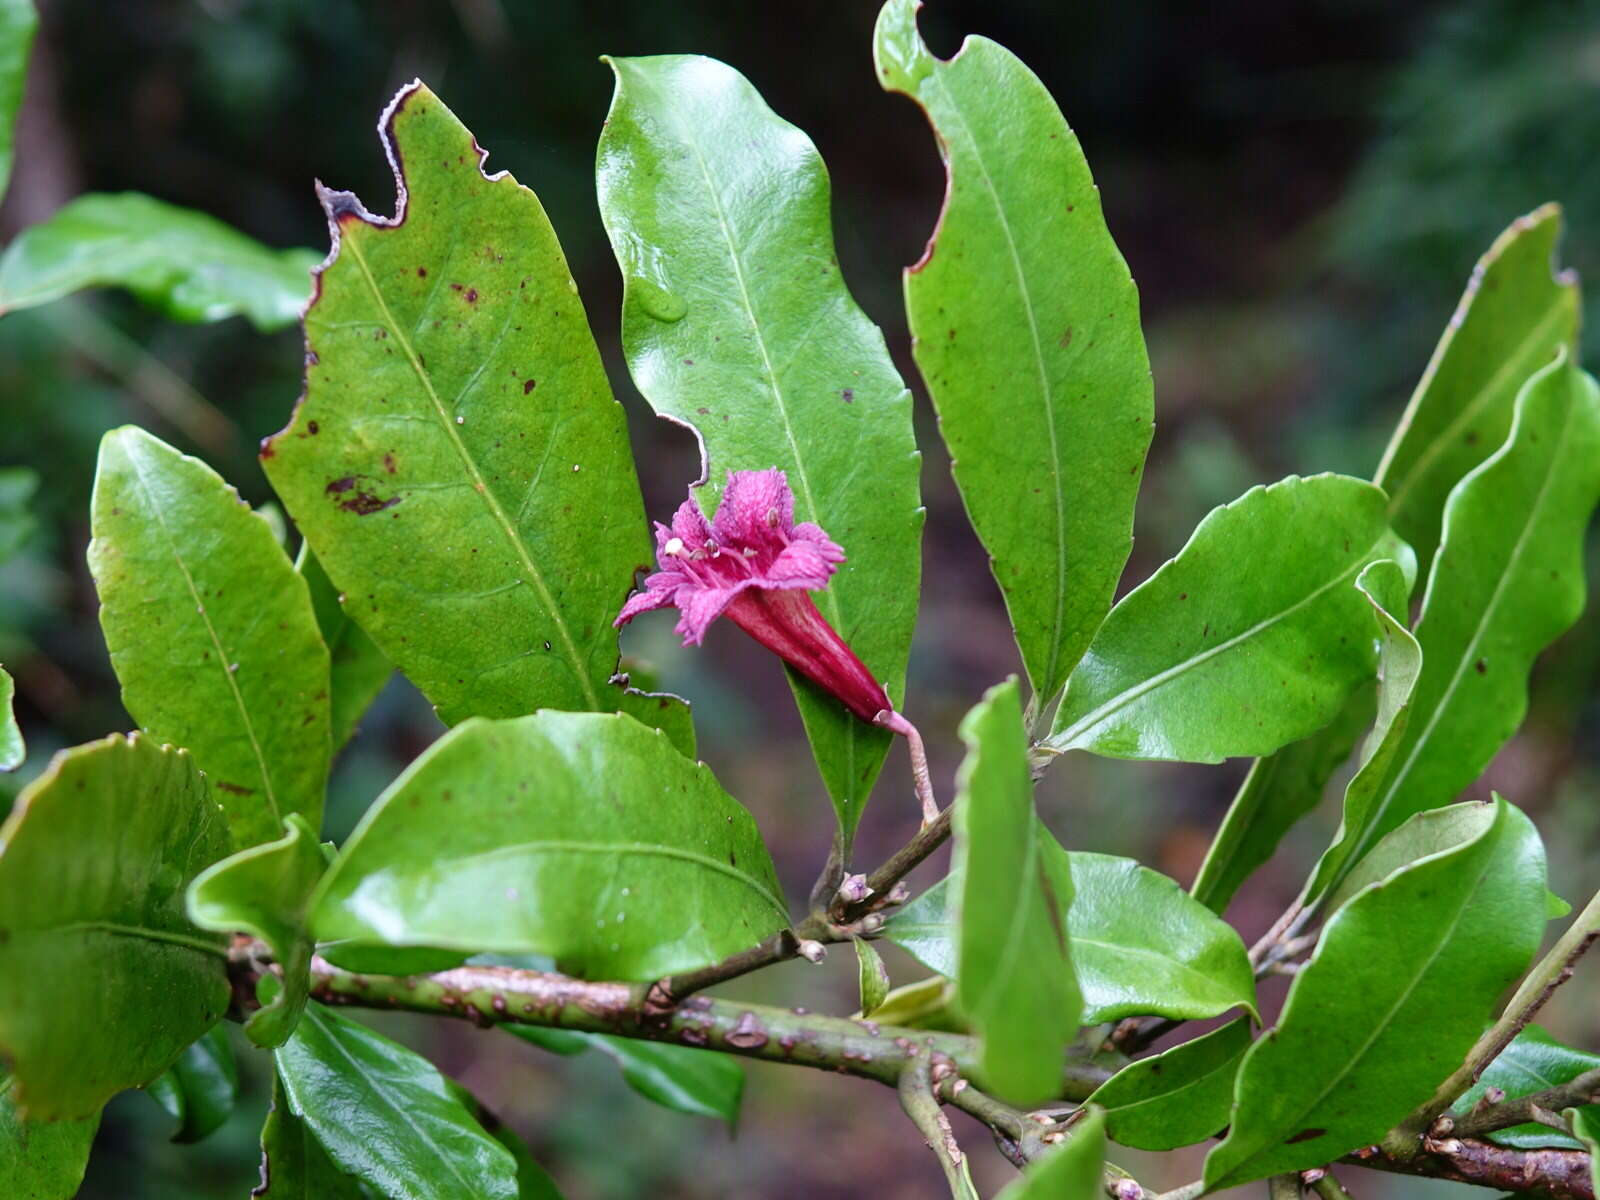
(1179, 1097)
(415, 1140)
(19, 21)
(666, 872)
(357, 669)
(1259, 603)
(294, 1166)
(211, 632)
(186, 264)
(1072, 1172)
(12, 750)
(735, 322)
(103, 980)
(41, 1160)
(1025, 323)
(200, 1089)
(1435, 943)
(1014, 975)
(1533, 1062)
(266, 891)
(872, 975)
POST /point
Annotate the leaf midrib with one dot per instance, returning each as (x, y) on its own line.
(132, 455)
(169, 937)
(1030, 897)
(480, 485)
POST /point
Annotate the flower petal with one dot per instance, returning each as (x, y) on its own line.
(801, 565)
(741, 519)
(699, 607)
(689, 525)
(643, 602)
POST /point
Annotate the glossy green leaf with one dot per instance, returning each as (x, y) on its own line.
(585, 837)
(1179, 1097)
(458, 464)
(41, 1160)
(211, 632)
(1434, 944)
(200, 1089)
(1586, 1125)
(1076, 1171)
(265, 891)
(12, 748)
(386, 1116)
(872, 975)
(1513, 318)
(1252, 637)
(1279, 790)
(666, 712)
(1533, 1062)
(357, 669)
(17, 487)
(294, 1166)
(1014, 976)
(1507, 581)
(103, 980)
(19, 21)
(188, 265)
(926, 1004)
(533, 1181)
(1139, 944)
(701, 1083)
(1388, 590)
(1025, 324)
(735, 321)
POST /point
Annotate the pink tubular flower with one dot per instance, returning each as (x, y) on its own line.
(754, 564)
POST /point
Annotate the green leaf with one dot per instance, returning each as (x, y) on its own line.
(1388, 590)
(1014, 976)
(1435, 943)
(41, 1160)
(533, 1182)
(103, 980)
(211, 632)
(201, 1088)
(458, 464)
(266, 892)
(357, 668)
(1177, 1098)
(1279, 790)
(17, 486)
(1252, 637)
(735, 321)
(701, 1083)
(1139, 944)
(186, 264)
(294, 1166)
(1586, 1125)
(18, 23)
(1076, 1171)
(1025, 324)
(873, 976)
(12, 748)
(1533, 1062)
(926, 1004)
(581, 836)
(1514, 317)
(1507, 581)
(663, 711)
(414, 1139)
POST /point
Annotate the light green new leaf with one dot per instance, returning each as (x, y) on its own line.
(12, 748)
(701, 1083)
(294, 1166)
(211, 632)
(1177, 1098)
(1533, 1062)
(266, 892)
(1076, 1171)
(1586, 1125)
(1278, 791)
(19, 21)
(1435, 943)
(201, 1088)
(41, 1160)
(1507, 581)
(580, 836)
(357, 668)
(1387, 588)
(458, 464)
(873, 976)
(1139, 944)
(188, 265)
(103, 980)
(735, 321)
(1513, 318)
(1014, 976)
(1025, 323)
(414, 1139)
(1254, 636)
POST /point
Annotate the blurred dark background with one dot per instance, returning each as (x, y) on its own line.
(1301, 190)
